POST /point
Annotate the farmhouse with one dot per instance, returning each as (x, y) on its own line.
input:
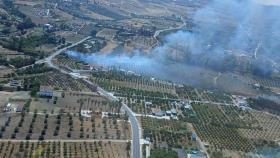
(157, 112)
(86, 113)
(16, 83)
(174, 103)
(47, 27)
(173, 111)
(148, 103)
(45, 91)
(19, 107)
(168, 113)
(187, 106)
(14, 107)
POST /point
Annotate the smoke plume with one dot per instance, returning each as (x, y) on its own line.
(226, 32)
(227, 35)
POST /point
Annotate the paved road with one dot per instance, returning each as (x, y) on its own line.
(49, 58)
(136, 130)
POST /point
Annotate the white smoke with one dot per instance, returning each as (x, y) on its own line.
(223, 29)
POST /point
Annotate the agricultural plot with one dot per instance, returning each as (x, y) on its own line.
(266, 82)
(107, 34)
(37, 14)
(235, 83)
(191, 93)
(70, 36)
(90, 46)
(145, 106)
(38, 126)
(159, 153)
(36, 43)
(61, 81)
(18, 97)
(64, 149)
(141, 85)
(167, 132)
(10, 54)
(265, 105)
(93, 15)
(138, 106)
(63, 60)
(132, 86)
(236, 117)
(142, 43)
(117, 150)
(109, 47)
(268, 127)
(124, 79)
(108, 12)
(164, 23)
(215, 96)
(187, 92)
(140, 94)
(4, 98)
(73, 102)
(134, 22)
(13, 96)
(219, 127)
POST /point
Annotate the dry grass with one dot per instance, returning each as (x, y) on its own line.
(110, 46)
